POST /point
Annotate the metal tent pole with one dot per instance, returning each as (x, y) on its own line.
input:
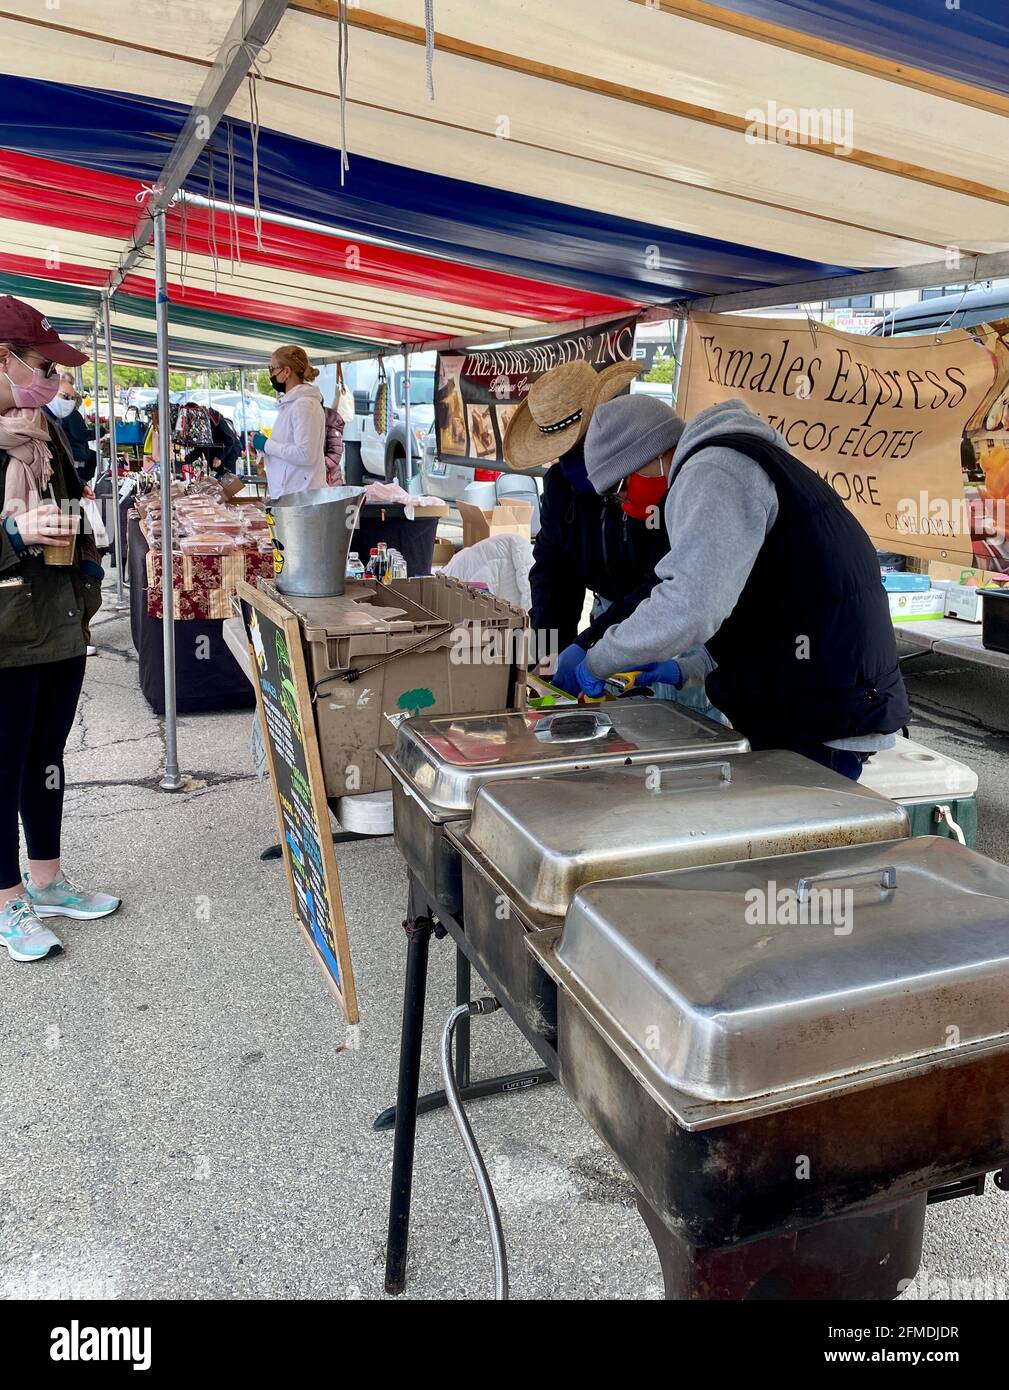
(245, 421)
(171, 781)
(408, 473)
(94, 402)
(117, 523)
(681, 342)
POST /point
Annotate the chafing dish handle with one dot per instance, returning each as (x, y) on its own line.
(594, 724)
(887, 877)
(655, 774)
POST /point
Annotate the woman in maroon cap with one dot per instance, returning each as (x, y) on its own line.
(50, 588)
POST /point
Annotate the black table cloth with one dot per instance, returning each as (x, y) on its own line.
(413, 539)
(207, 676)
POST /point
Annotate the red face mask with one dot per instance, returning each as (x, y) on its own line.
(643, 494)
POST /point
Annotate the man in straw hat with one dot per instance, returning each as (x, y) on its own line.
(768, 570)
(586, 543)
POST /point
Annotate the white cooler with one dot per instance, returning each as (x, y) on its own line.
(925, 782)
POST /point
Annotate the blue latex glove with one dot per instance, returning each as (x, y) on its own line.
(564, 676)
(588, 683)
(661, 673)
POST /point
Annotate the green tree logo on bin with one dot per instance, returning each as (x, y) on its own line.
(413, 701)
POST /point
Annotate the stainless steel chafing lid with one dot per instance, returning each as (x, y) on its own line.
(447, 759)
(709, 982)
(544, 837)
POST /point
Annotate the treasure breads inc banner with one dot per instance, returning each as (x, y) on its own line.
(880, 419)
(477, 392)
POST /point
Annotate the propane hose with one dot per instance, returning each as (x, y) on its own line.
(483, 1182)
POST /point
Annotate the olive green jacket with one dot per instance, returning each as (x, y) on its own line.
(45, 610)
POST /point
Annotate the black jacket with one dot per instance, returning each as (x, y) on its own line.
(46, 610)
(588, 544)
(226, 449)
(78, 437)
(808, 653)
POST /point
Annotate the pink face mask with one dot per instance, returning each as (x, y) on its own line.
(37, 392)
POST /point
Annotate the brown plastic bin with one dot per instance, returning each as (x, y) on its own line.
(418, 646)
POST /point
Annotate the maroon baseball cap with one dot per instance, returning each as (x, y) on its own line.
(20, 323)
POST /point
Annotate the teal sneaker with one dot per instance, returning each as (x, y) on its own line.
(62, 899)
(24, 935)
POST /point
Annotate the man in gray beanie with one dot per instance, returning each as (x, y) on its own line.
(629, 434)
(768, 574)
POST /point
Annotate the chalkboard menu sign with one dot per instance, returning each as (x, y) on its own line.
(284, 700)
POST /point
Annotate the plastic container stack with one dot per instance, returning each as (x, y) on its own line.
(204, 523)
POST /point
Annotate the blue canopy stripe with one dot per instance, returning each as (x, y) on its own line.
(421, 212)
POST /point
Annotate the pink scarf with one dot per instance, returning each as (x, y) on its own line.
(24, 435)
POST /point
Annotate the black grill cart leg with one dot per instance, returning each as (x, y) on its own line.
(419, 932)
(463, 994)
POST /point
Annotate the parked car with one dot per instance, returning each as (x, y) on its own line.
(442, 477)
(960, 310)
(662, 390)
(457, 482)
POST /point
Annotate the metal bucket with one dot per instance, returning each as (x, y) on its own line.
(311, 539)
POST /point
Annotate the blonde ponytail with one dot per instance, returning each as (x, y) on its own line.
(297, 359)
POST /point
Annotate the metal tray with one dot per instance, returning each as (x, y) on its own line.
(546, 837)
(447, 759)
(708, 999)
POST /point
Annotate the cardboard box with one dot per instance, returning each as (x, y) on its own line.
(981, 579)
(443, 552)
(506, 519)
(964, 601)
(917, 607)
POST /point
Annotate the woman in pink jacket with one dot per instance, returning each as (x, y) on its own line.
(296, 449)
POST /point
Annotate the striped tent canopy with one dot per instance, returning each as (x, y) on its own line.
(521, 165)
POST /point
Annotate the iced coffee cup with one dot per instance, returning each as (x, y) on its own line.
(59, 554)
(64, 554)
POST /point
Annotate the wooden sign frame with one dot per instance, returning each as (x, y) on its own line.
(343, 989)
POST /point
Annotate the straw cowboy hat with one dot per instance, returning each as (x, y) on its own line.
(556, 413)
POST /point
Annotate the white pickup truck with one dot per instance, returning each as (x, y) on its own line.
(388, 457)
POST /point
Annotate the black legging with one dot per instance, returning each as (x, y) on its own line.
(37, 707)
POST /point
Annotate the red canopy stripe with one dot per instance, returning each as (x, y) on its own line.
(194, 297)
(53, 194)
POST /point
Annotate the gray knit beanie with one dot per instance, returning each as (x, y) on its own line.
(625, 434)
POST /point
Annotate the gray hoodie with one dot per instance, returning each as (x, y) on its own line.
(717, 517)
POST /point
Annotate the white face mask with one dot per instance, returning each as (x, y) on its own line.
(61, 406)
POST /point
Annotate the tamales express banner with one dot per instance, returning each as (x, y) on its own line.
(477, 392)
(880, 419)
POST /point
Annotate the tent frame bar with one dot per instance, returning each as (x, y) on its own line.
(252, 27)
(968, 269)
(532, 333)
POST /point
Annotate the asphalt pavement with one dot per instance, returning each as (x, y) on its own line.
(186, 1115)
